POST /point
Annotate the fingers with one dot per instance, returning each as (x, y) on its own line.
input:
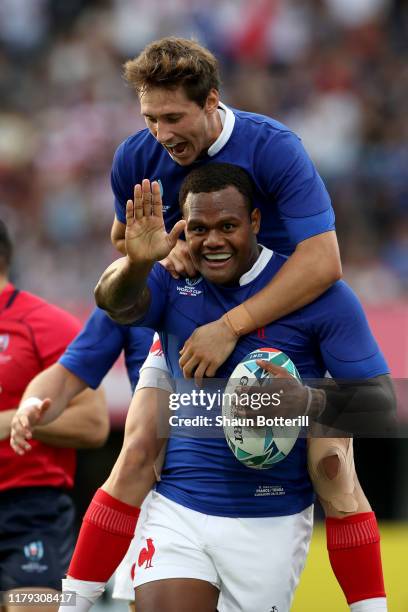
(199, 373)
(188, 363)
(185, 356)
(146, 198)
(168, 264)
(173, 265)
(157, 206)
(130, 212)
(23, 423)
(274, 369)
(174, 235)
(147, 202)
(197, 367)
(20, 433)
(179, 262)
(138, 203)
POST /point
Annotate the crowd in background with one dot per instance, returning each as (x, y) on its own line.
(334, 71)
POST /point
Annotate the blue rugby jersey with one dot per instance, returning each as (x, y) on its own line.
(330, 334)
(289, 192)
(93, 352)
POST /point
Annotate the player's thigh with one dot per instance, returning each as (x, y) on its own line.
(170, 546)
(123, 580)
(259, 560)
(38, 526)
(176, 595)
(40, 599)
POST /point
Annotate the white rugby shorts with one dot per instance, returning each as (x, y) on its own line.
(153, 373)
(123, 581)
(254, 562)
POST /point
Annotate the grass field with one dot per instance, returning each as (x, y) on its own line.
(318, 590)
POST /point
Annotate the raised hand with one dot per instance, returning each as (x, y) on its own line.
(146, 239)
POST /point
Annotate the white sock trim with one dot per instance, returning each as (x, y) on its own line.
(376, 604)
(85, 588)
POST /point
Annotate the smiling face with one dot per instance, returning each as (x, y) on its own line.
(221, 234)
(184, 128)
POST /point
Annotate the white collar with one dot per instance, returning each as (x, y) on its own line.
(227, 127)
(260, 264)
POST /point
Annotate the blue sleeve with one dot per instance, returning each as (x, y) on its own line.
(347, 345)
(121, 182)
(94, 351)
(158, 283)
(303, 202)
(138, 343)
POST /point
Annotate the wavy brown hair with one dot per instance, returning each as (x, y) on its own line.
(173, 62)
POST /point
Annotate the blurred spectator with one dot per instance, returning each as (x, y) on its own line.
(333, 70)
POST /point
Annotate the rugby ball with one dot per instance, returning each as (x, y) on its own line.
(259, 447)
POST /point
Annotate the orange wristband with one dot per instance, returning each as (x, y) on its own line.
(239, 321)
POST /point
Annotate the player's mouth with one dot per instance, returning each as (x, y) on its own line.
(216, 260)
(177, 150)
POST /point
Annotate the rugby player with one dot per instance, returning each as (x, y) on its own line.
(177, 84)
(36, 513)
(221, 239)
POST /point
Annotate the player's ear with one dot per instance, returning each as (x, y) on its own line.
(256, 220)
(211, 103)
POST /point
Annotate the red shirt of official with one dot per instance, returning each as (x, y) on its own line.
(33, 335)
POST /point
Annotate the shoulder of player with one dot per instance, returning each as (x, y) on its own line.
(335, 304)
(35, 309)
(266, 126)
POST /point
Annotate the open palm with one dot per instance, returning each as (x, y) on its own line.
(146, 238)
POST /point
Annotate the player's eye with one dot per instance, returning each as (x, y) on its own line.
(150, 119)
(228, 227)
(198, 229)
(174, 118)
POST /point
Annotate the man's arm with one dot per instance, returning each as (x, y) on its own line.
(85, 423)
(118, 235)
(362, 407)
(311, 269)
(56, 384)
(46, 397)
(122, 290)
(365, 407)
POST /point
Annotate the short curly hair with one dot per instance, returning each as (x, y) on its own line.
(173, 62)
(215, 177)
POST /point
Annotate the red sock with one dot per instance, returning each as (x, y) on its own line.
(106, 532)
(354, 551)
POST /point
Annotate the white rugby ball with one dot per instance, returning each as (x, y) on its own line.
(257, 447)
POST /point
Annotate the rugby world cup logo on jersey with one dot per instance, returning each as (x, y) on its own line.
(189, 287)
(4, 342)
(166, 207)
(34, 552)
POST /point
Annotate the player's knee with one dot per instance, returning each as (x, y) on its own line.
(332, 471)
(138, 453)
(330, 466)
